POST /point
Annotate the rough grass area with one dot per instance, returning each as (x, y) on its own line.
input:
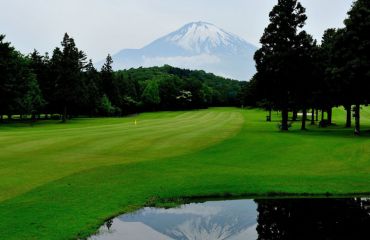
(62, 181)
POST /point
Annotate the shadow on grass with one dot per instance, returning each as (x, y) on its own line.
(28, 124)
(335, 131)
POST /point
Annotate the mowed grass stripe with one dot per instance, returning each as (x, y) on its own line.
(32, 158)
(122, 126)
(63, 141)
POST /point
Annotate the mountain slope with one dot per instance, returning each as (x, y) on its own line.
(197, 45)
(217, 220)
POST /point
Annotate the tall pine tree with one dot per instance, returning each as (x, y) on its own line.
(68, 64)
(275, 60)
(357, 55)
(107, 78)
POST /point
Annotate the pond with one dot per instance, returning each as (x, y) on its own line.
(245, 219)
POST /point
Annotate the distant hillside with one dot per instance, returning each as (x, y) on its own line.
(205, 89)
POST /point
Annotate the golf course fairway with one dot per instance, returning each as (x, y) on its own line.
(61, 181)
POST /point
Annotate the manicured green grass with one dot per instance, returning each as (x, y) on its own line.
(62, 181)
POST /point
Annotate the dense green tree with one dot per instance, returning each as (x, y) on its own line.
(126, 93)
(105, 107)
(19, 89)
(169, 88)
(356, 38)
(91, 99)
(42, 68)
(327, 92)
(68, 65)
(107, 78)
(54, 75)
(150, 96)
(334, 40)
(275, 60)
(199, 97)
(31, 100)
(7, 80)
(27, 98)
(250, 92)
(303, 70)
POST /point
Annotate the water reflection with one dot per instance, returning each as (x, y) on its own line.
(314, 219)
(246, 219)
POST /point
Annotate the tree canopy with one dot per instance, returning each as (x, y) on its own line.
(294, 73)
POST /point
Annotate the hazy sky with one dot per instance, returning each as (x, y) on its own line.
(107, 26)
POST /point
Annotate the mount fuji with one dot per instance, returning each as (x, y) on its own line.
(196, 46)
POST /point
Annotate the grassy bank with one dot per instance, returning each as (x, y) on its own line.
(61, 181)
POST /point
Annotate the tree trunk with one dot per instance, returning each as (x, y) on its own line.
(270, 114)
(64, 119)
(304, 118)
(330, 115)
(349, 117)
(317, 115)
(284, 120)
(357, 120)
(269, 117)
(322, 114)
(313, 117)
(295, 115)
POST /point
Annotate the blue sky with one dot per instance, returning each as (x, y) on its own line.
(107, 26)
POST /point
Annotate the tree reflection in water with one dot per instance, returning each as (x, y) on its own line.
(313, 219)
(272, 219)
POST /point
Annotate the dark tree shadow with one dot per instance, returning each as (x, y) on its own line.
(313, 219)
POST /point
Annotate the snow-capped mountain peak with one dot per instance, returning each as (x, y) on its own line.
(203, 37)
(197, 45)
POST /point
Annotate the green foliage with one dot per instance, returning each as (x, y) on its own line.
(170, 87)
(105, 107)
(107, 78)
(357, 48)
(41, 68)
(293, 73)
(150, 96)
(276, 60)
(67, 66)
(31, 101)
(90, 99)
(19, 89)
(206, 89)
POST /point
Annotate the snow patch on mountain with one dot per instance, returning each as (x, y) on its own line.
(202, 37)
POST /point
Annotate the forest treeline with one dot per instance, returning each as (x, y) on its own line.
(65, 84)
(295, 73)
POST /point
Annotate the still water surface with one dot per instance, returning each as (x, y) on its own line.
(245, 219)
